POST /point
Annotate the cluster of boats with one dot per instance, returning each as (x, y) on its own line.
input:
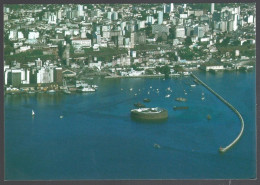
(80, 87)
(150, 114)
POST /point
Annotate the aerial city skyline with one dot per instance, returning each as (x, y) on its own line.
(44, 43)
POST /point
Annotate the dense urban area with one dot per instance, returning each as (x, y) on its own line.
(56, 47)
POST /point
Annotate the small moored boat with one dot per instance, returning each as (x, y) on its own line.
(147, 100)
(181, 99)
(139, 105)
(180, 108)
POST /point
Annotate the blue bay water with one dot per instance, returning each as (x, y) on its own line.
(96, 139)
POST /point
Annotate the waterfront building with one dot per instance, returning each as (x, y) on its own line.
(45, 75)
(58, 75)
(16, 77)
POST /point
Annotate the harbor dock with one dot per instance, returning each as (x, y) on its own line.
(224, 149)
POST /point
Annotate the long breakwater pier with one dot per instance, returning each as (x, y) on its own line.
(224, 149)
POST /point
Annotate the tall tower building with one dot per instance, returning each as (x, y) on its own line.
(172, 7)
(132, 40)
(212, 8)
(160, 17)
(80, 10)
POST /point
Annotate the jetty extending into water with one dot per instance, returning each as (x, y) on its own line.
(224, 149)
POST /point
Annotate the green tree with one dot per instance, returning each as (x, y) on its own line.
(186, 54)
(148, 30)
(159, 39)
(165, 70)
(188, 41)
(157, 69)
(172, 56)
(149, 71)
(178, 68)
(172, 33)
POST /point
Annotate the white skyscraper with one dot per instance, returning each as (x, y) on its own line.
(212, 8)
(149, 20)
(80, 10)
(52, 19)
(160, 17)
(172, 7)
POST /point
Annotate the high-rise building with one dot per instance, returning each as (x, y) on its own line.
(212, 8)
(199, 31)
(38, 63)
(180, 32)
(132, 37)
(80, 11)
(223, 26)
(120, 41)
(172, 7)
(52, 19)
(114, 16)
(59, 14)
(16, 78)
(141, 24)
(58, 75)
(150, 20)
(109, 15)
(45, 75)
(160, 17)
(166, 8)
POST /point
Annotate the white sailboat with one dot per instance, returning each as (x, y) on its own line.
(33, 113)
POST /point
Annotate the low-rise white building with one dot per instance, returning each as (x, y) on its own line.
(95, 64)
(33, 35)
(81, 43)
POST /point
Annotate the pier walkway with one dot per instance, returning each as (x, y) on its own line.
(232, 108)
